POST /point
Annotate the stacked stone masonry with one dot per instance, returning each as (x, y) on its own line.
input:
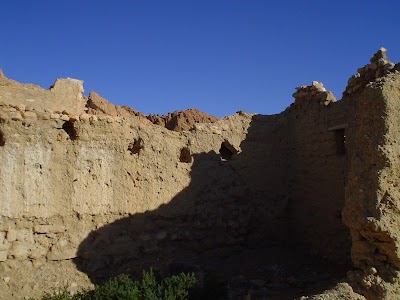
(99, 185)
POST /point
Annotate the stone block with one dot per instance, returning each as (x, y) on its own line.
(30, 115)
(20, 250)
(11, 235)
(3, 255)
(38, 251)
(63, 254)
(24, 235)
(49, 228)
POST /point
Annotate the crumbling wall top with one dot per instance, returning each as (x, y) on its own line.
(378, 67)
(314, 92)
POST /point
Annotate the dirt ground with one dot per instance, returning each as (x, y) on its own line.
(272, 273)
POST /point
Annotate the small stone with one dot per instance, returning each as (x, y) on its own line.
(11, 235)
(366, 283)
(44, 116)
(37, 263)
(19, 250)
(6, 279)
(15, 116)
(63, 254)
(380, 54)
(389, 66)
(84, 117)
(30, 115)
(73, 118)
(373, 271)
(3, 255)
(38, 251)
(9, 109)
(5, 247)
(54, 116)
(381, 62)
(21, 107)
(49, 228)
(65, 117)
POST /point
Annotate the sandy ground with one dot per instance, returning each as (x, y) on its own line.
(272, 273)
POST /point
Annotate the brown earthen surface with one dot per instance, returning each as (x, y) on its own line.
(182, 120)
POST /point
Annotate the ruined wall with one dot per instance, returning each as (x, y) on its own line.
(372, 195)
(102, 187)
(317, 179)
(104, 190)
(65, 94)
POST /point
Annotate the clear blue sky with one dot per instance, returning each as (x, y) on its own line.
(217, 56)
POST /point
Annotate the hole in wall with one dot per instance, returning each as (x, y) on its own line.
(185, 156)
(136, 146)
(340, 139)
(2, 139)
(70, 130)
(227, 150)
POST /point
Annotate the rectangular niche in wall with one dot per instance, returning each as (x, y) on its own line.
(340, 138)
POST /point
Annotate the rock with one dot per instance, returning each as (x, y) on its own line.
(11, 235)
(99, 105)
(55, 116)
(49, 228)
(84, 117)
(3, 255)
(37, 251)
(20, 107)
(55, 254)
(30, 115)
(15, 116)
(182, 120)
(380, 54)
(20, 250)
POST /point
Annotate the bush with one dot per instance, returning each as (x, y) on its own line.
(123, 288)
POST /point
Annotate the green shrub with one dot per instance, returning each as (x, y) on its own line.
(123, 288)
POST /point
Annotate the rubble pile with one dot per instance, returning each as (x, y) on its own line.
(378, 67)
(315, 91)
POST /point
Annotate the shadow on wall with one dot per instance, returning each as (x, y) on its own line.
(217, 215)
(234, 203)
(210, 219)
